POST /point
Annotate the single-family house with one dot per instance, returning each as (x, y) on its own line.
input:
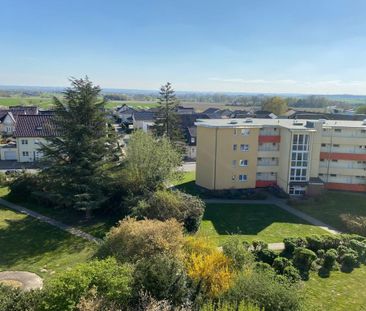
(31, 131)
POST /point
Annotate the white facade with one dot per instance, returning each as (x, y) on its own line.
(28, 148)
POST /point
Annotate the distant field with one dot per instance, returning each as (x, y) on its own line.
(135, 104)
(43, 102)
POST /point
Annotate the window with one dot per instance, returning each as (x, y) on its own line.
(243, 163)
(25, 153)
(245, 132)
(324, 145)
(338, 130)
(235, 131)
(333, 175)
(234, 163)
(24, 142)
(320, 174)
(235, 146)
(233, 177)
(321, 160)
(244, 147)
(243, 177)
(336, 145)
(193, 140)
(363, 131)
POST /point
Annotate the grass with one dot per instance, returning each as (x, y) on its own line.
(331, 205)
(28, 244)
(97, 226)
(341, 291)
(42, 102)
(252, 222)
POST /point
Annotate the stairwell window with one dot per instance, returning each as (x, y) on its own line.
(243, 177)
(235, 146)
(244, 147)
(245, 132)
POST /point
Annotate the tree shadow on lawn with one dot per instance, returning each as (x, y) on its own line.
(26, 238)
(246, 219)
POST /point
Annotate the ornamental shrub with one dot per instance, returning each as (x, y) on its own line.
(360, 248)
(330, 259)
(167, 204)
(303, 258)
(292, 243)
(266, 256)
(111, 280)
(163, 277)
(229, 306)
(131, 240)
(14, 299)
(238, 252)
(280, 263)
(292, 274)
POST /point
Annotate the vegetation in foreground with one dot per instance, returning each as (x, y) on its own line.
(28, 244)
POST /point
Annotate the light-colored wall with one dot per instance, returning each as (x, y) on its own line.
(32, 148)
(205, 161)
(284, 159)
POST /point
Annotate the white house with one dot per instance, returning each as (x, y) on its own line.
(31, 131)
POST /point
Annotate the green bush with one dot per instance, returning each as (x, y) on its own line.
(349, 260)
(292, 243)
(354, 224)
(132, 240)
(238, 252)
(23, 184)
(162, 277)
(280, 263)
(111, 280)
(266, 290)
(330, 258)
(14, 299)
(266, 256)
(360, 248)
(166, 204)
(315, 242)
(292, 274)
(229, 306)
(303, 258)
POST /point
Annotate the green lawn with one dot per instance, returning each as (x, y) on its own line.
(252, 222)
(341, 291)
(97, 226)
(331, 205)
(28, 244)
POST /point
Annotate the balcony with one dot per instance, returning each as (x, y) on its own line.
(268, 147)
(267, 162)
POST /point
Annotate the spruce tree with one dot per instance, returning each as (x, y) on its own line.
(76, 159)
(167, 121)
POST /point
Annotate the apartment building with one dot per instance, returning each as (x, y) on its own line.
(300, 156)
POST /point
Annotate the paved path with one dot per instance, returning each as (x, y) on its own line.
(28, 280)
(281, 203)
(50, 221)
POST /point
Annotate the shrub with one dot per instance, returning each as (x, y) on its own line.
(14, 299)
(238, 252)
(266, 255)
(349, 260)
(111, 281)
(166, 204)
(330, 259)
(292, 243)
(280, 263)
(162, 277)
(23, 184)
(360, 248)
(315, 242)
(210, 272)
(229, 306)
(131, 240)
(355, 224)
(292, 274)
(264, 289)
(303, 258)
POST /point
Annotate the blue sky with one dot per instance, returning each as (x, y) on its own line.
(301, 46)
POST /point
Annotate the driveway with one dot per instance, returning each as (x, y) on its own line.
(189, 166)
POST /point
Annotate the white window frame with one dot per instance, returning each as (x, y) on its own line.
(24, 141)
(243, 177)
(245, 132)
(243, 163)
